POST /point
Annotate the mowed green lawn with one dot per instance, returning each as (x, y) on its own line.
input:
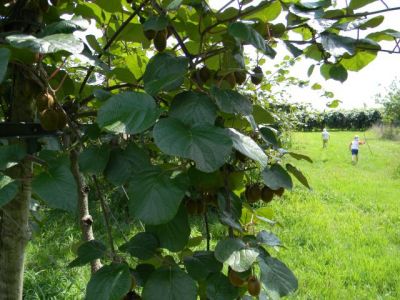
(343, 237)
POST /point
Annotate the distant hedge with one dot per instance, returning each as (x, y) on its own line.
(338, 119)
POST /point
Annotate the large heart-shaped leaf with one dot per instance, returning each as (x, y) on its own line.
(10, 155)
(225, 248)
(143, 246)
(4, 57)
(206, 144)
(111, 282)
(164, 72)
(57, 186)
(129, 112)
(193, 107)
(249, 35)
(94, 159)
(231, 102)
(154, 196)
(170, 283)
(242, 260)
(124, 163)
(173, 235)
(48, 44)
(247, 146)
(338, 45)
(268, 238)
(277, 177)
(8, 189)
(218, 287)
(87, 252)
(355, 4)
(155, 23)
(65, 26)
(201, 264)
(277, 277)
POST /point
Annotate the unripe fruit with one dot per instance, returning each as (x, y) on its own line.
(204, 74)
(234, 278)
(279, 192)
(160, 41)
(267, 194)
(44, 101)
(253, 286)
(150, 34)
(240, 77)
(253, 193)
(257, 76)
(49, 120)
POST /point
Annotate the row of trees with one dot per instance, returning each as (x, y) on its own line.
(150, 104)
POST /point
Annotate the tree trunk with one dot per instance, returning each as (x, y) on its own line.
(14, 233)
(85, 219)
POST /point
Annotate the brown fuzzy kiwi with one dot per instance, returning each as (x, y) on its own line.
(267, 194)
(253, 286)
(191, 206)
(160, 41)
(279, 192)
(240, 77)
(257, 76)
(150, 34)
(234, 278)
(49, 120)
(253, 193)
(44, 101)
(204, 74)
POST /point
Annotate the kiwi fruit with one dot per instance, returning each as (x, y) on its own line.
(204, 74)
(150, 34)
(44, 101)
(253, 193)
(235, 279)
(191, 206)
(253, 286)
(160, 41)
(257, 76)
(230, 80)
(240, 77)
(267, 194)
(279, 192)
(49, 120)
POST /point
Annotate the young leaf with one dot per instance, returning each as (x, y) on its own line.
(298, 174)
(268, 238)
(88, 252)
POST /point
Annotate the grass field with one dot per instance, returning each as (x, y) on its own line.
(342, 238)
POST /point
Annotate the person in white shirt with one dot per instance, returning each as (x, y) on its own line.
(353, 147)
(325, 138)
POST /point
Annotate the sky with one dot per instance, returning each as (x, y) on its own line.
(361, 88)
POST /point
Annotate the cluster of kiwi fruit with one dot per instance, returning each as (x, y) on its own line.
(52, 116)
(159, 37)
(255, 192)
(240, 279)
(229, 80)
(197, 207)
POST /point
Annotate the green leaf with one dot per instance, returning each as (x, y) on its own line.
(4, 57)
(334, 103)
(262, 116)
(231, 102)
(65, 26)
(156, 23)
(111, 282)
(268, 238)
(206, 181)
(242, 260)
(10, 155)
(193, 107)
(49, 44)
(269, 135)
(8, 189)
(277, 277)
(88, 252)
(338, 72)
(154, 196)
(110, 6)
(316, 86)
(358, 61)
(143, 246)
(247, 34)
(201, 264)
(293, 49)
(170, 283)
(129, 112)
(267, 13)
(247, 146)
(164, 72)
(173, 235)
(313, 4)
(338, 45)
(218, 287)
(355, 4)
(299, 156)
(225, 248)
(207, 145)
(94, 159)
(174, 5)
(277, 177)
(298, 174)
(124, 163)
(57, 186)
